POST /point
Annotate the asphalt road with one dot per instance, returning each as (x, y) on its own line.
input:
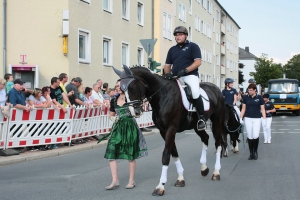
(83, 175)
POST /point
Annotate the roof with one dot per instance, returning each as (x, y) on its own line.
(228, 14)
(245, 55)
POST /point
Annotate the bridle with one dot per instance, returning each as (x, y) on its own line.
(227, 119)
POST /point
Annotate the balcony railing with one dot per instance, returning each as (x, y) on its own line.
(222, 49)
(222, 69)
(223, 29)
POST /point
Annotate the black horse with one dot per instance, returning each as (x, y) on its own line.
(170, 116)
(232, 126)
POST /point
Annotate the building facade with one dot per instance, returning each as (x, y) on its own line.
(247, 59)
(210, 26)
(86, 37)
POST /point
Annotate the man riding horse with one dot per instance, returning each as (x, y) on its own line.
(185, 58)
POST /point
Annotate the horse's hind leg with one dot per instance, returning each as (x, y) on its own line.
(180, 180)
(217, 131)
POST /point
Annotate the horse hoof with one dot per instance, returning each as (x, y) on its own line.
(215, 177)
(225, 155)
(205, 172)
(158, 192)
(179, 183)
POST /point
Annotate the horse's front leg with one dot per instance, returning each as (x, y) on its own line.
(226, 146)
(235, 146)
(169, 145)
(204, 168)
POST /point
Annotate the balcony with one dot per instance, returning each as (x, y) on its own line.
(222, 69)
(223, 31)
(223, 49)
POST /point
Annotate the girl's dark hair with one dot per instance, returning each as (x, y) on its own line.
(45, 89)
(105, 85)
(6, 76)
(252, 86)
(87, 90)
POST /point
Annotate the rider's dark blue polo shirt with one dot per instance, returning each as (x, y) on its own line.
(253, 105)
(15, 97)
(229, 95)
(269, 106)
(182, 57)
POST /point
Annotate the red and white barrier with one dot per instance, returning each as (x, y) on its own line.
(3, 130)
(89, 122)
(50, 126)
(39, 127)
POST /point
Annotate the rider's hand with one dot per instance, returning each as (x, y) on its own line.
(169, 75)
(241, 121)
(182, 73)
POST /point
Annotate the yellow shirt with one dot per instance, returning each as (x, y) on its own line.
(65, 91)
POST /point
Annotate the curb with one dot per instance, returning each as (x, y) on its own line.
(24, 157)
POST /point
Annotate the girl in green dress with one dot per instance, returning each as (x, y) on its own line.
(126, 140)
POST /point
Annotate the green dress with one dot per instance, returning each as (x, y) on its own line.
(126, 139)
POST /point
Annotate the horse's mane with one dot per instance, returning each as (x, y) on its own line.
(144, 68)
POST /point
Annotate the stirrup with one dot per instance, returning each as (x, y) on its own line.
(201, 128)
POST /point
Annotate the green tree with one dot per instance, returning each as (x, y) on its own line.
(266, 69)
(292, 68)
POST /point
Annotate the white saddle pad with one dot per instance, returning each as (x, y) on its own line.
(189, 107)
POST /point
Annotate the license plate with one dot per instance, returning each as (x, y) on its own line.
(282, 108)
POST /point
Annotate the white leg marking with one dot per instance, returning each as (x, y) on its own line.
(179, 168)
(218, 164)
(163, 177)
(203, 157)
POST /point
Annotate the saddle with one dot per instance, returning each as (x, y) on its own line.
(187, 98)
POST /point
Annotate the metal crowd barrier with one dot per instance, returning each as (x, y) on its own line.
(51, 126)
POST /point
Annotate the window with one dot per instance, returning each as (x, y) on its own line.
(86, 1)
(214, 25)
(218, 16)
(125, 54)
(190, 7)
(140, 13)
(107, 5)
(181, 12)
(167, 26)
(125, 9)
(197, 23)
(140, 56)
(84, 46)
(107, 51)
(218, 80)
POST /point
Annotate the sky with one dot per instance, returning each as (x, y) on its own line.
(271, 27)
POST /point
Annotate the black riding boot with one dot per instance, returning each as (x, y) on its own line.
(255, 146)
(198, 103)
(250, 143)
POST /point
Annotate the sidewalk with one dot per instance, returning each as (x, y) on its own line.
(62, 150)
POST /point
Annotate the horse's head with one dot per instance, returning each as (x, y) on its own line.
(232, 120)
(134, 88)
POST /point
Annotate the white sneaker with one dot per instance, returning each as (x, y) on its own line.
(269, 141)
(265, 142)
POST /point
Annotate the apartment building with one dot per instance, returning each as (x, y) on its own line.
(79, 37)
(210, 26)
(86, 37)
(2, 39)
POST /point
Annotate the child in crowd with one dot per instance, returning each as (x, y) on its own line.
(9, 82)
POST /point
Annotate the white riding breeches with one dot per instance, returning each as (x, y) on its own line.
(193, 82)
(267, 128)
(252, 127)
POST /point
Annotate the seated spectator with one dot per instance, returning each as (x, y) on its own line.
(105, 87)
(2, 92)
(37, 100)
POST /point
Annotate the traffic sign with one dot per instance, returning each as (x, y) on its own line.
(148, 44)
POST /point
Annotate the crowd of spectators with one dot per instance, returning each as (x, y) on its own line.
(59, 95)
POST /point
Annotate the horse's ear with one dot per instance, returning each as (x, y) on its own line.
(127, 71)
(118, 72)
